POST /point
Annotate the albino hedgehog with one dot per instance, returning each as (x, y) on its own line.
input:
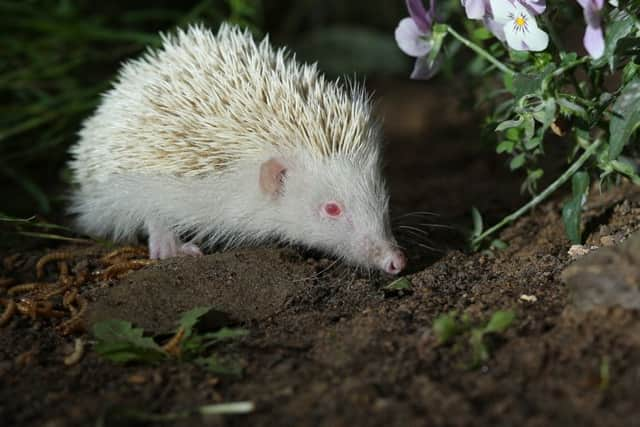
(216, 139)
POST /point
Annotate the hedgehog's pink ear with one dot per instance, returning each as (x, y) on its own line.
(272, 173)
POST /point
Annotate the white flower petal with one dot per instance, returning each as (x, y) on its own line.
(503, 11)
(526, 38)
(537, 40)
(410, 39)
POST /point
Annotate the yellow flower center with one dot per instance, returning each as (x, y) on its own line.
(520, 21)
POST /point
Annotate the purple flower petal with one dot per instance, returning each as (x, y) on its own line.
(411, 40)
(475, 9)
(592, 14)
(594, 41)
(419, 14)
(536, 7)
(495, 28)
(424, 69)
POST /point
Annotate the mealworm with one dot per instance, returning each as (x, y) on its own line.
(76, 354)
(54, 256)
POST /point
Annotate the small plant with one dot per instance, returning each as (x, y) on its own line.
(398, 287)
(448, 326)
(591, 101)
(119, 341)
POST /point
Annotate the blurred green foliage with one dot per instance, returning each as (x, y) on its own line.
(58, 56)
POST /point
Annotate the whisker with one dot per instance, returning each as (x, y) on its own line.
(415, 214)
(414, 229)
(316, 275)
(448, 227)
(431, 248)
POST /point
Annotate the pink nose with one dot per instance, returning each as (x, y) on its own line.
(396, 262)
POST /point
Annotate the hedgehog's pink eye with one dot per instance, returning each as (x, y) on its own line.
(332, 209)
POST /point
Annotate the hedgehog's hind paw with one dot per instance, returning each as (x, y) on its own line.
(190, 249)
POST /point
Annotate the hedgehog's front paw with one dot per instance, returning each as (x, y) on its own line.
(190, 249)
(162, 245)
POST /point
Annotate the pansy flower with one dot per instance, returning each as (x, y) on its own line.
(520, 28)
(413, 36)
(593, 37)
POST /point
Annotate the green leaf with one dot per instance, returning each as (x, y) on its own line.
(478, 225)
(518, 56)
(568, 107)
(505, 146)
(621, 24)
(626, 168)
(498, 244)
(546, 112)
(572, 209)
(625, 118)
(629, 47)
(526, 84)
(446, 326)
(499, 322)
(190, 318)
(567, 58)
(513, 134)
(630, 71)
(401, 284)
(530, 83)
(529, 126)
(517, 161)
(532, 143)
(119, 341)
(481, 33)
(478, 347)
(508, 124)
(507, 81)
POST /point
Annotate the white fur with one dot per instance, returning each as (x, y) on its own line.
(179, 140)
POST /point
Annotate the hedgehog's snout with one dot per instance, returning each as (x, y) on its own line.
(395, 262)
(387, 257)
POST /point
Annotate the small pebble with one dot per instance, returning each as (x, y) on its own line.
(607, 241)
(529, 298)
(577, 251)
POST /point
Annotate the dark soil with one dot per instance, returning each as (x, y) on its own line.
(329, 347)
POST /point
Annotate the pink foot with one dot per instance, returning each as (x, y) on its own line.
(190, 249)
(163, 244)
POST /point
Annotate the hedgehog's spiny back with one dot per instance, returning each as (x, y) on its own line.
(204, 101)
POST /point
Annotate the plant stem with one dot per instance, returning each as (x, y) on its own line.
(560, 71)
(544, 194)
(480, 51)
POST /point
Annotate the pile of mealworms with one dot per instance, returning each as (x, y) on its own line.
(62, 300)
